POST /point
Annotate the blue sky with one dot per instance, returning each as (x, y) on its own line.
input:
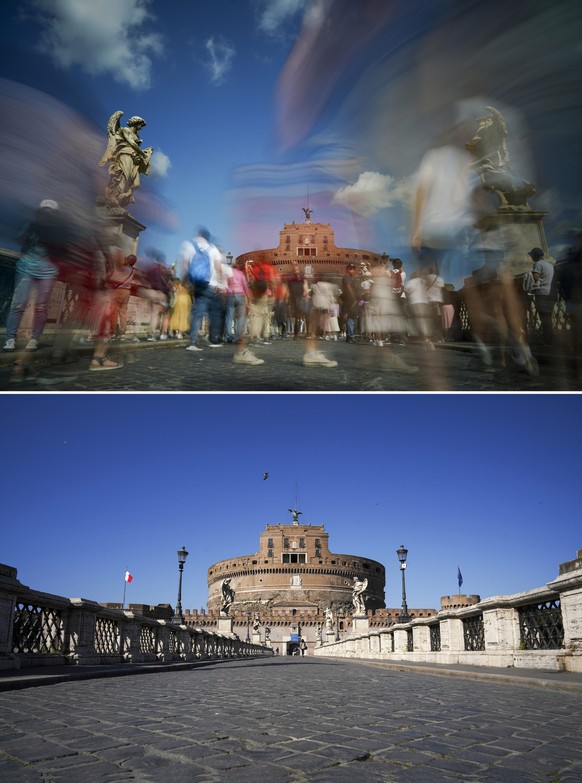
(249, 103)
(91, 486)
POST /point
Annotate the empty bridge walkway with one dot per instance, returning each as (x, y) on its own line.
(290, 720)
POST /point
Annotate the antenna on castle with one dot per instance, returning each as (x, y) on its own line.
(294, 513)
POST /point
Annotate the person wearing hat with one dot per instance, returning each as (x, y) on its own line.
(543, 275)
(36, 272)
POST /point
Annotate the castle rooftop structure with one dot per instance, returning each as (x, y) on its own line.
(312, 245)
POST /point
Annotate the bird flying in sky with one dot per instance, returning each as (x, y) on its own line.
(265, 476)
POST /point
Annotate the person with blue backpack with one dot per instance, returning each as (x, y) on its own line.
(201, 261)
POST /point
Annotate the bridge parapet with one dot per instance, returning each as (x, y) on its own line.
(39, 629)
(536, 629)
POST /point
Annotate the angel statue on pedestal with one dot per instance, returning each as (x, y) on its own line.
(126, 159)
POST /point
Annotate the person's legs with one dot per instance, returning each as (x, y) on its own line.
(240, 317)
(313, 357)
(43, 292)
(215, 317)
(114, 312)
(229, 310)
(199, 310)
(122, 302)
(22, 289)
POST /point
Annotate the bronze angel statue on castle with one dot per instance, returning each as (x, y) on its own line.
(126, 159)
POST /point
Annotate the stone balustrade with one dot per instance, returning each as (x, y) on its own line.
(536, 629)
(38, 629)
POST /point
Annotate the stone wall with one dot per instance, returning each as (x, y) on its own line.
(539, 628)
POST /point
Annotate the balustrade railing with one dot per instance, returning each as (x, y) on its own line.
(474, 633)
(539, 628)
(435, 637)
(39, 628)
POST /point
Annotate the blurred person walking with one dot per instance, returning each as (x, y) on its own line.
(203, 263)
(542, 274)
(298, 298)
(119, 283)
(349, 303)
(42, 242)
(181, 310)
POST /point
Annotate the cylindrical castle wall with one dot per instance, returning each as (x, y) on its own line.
(323, 585)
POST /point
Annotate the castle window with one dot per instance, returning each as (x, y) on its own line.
(366, 565)
(301, 543)
(317, 553)
(299, 251)
(270, 543)
(293, 557)
(286, 543)
(269, 553)
(317, 543)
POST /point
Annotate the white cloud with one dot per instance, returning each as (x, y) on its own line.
(274, 14)
(372, 192)
(102, 37)
(159, 164)
(221, 55)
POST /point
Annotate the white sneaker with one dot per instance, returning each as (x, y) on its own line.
(194, 348)
(31, 345)
(163, 337)
(135, 339)
(316, 358)
(10, 345)
(394, 362)
(247, 357)
(151, 339)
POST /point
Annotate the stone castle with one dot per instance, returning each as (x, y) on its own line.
(290, 583)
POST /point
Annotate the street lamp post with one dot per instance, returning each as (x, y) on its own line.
(404, 616)
(178, 616)
(248, 625)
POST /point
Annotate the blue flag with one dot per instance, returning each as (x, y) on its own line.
(459, 577)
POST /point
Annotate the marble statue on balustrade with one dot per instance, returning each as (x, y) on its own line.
(126, 159)
(328, 621)
(358, 599)
(493, 165)
(227, 596)
(256, 622)
(319, 635)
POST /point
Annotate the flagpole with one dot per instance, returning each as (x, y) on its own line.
(124, 589)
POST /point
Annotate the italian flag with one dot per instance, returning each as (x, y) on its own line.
(128, 577)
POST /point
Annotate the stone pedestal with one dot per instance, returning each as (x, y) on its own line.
(225, 625)
(360, 625)
(256, 637)
(9, 586)
(524, 231)
(125, 227)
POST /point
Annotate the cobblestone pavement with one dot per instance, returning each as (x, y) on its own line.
(289, 720)
(361, 367)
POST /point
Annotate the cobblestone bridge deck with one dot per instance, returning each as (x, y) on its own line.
(292, 720)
